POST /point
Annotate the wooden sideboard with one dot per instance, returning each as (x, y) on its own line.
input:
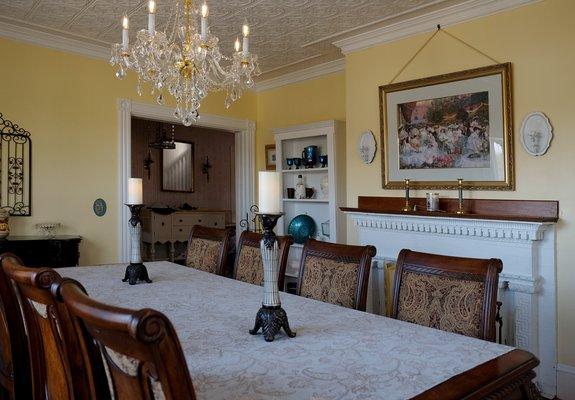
(176, 227)
(43, 251)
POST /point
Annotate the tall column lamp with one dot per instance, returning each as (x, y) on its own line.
(136, 271)
(271, 317)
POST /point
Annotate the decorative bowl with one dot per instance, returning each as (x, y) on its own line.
(302, 227)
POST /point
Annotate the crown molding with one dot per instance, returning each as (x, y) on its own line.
(53, 39)
(455, 14)
(329, 67)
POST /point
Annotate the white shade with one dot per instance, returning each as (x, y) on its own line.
(135, 193)
(269, 199)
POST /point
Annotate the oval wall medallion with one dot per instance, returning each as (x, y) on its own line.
(366, 147)
(536, 133)
(100, 207)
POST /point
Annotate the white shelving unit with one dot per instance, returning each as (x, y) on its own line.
(329, 136)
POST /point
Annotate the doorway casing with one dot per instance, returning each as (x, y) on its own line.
(244, 157)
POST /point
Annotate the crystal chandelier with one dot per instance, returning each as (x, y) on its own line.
(184, 61)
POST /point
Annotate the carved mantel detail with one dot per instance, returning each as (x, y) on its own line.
(511, 231)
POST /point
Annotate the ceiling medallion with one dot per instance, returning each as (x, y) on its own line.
(185, 61)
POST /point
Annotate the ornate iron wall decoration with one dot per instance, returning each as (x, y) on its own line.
(15, 168)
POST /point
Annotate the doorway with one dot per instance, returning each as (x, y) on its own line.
(243, 165)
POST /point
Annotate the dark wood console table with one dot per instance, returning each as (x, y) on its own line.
(43, 251)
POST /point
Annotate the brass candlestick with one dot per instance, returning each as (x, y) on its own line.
(407, 206)
(460, 208)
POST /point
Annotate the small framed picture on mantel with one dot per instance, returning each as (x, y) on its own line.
(438, 129)
(271, 157)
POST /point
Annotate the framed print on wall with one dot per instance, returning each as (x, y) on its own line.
(438, 129)
(271, 157)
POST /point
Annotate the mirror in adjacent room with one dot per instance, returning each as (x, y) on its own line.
(178, 168)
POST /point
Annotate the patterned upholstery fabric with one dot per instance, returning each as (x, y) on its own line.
(330, 281)
(446, 303)
(250, 265)
(204, 254)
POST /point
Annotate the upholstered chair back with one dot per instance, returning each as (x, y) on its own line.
(249, 264)
(141, 351)
(453, 294)
(15, 378)
(209, 249)
(335, 273)
(55, 350)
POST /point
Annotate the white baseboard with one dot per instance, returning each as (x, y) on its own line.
(565, 382)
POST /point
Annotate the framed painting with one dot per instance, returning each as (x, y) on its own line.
(438, 129)
(271, 157)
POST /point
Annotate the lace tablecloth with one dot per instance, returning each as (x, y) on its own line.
(338, 353)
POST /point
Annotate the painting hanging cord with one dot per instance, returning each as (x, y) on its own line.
(439, 29)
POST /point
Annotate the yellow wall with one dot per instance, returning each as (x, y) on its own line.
(69, 104)
(538, 40)
(309, 101)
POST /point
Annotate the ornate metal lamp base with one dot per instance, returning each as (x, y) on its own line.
(136, 273)
(271, 320)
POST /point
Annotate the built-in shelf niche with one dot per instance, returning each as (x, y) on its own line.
(329, 136)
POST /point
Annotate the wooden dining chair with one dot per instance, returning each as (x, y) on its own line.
(15, 372)
(54, 348)
(335, 273)
(209, 249)
(454, 294)
(141, 351)
(249, 265)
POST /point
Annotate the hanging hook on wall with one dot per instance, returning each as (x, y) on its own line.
(206, 169)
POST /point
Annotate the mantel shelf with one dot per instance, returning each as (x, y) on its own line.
(542, 211)
(440, 214)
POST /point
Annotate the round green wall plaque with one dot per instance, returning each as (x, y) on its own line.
(100, 207)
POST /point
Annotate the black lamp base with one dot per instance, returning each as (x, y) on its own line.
(271, 320)
(136, 273)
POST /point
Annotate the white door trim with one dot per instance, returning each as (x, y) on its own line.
(244, 148)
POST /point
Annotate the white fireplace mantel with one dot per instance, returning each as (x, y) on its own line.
(527, 283)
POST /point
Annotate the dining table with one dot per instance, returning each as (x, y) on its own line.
(338, 353)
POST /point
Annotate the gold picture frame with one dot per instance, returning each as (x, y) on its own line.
(493, 82)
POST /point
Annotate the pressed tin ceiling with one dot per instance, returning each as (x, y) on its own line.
(286, 34)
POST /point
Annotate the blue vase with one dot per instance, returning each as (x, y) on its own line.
(301, 228)
(309, 156)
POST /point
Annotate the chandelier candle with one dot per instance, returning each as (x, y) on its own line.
(125, 33)
(271, 317)
(246, 44)
(204, 21)
(184, 59)
(151, 17)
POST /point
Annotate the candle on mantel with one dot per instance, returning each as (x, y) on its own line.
(125, 32)
(246, 44)
(135, 192)
(237, 45)
(269, 201)
(204, 22)
(151, 17)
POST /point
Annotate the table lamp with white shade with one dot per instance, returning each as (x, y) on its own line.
(271, 317)
(136, 271)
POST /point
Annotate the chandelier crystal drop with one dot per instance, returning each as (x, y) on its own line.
(184, 60)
